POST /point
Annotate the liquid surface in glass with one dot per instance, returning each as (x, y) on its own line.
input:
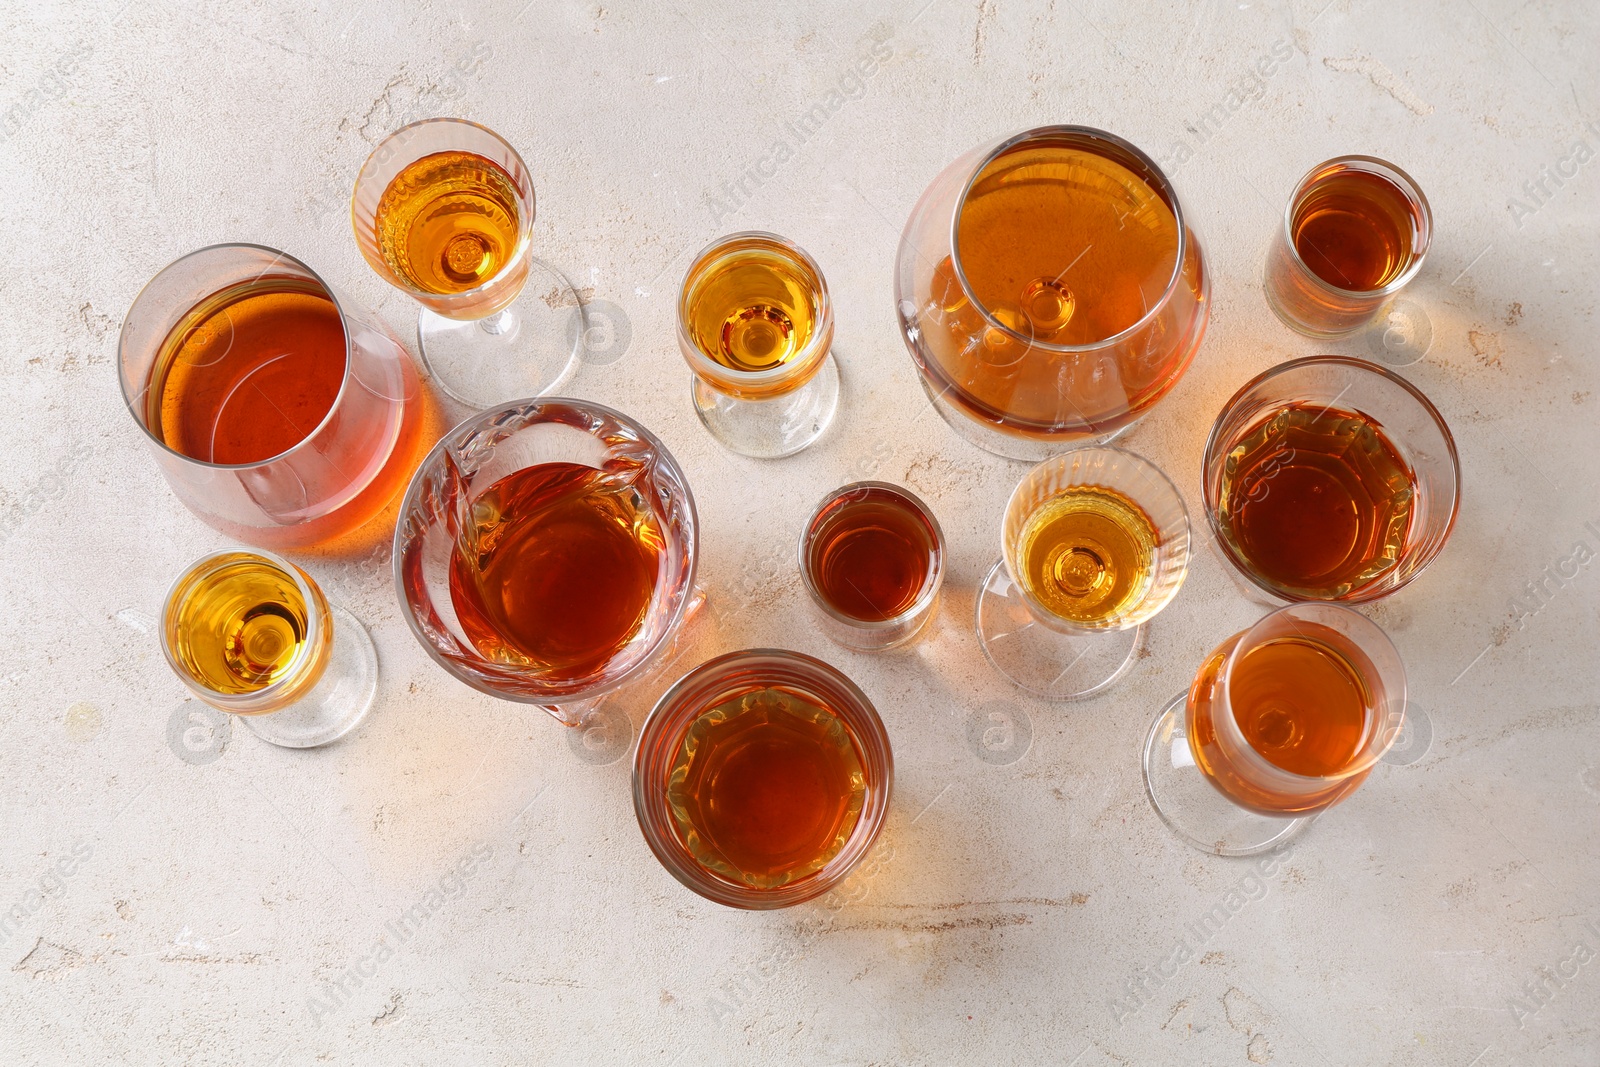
(1063, 245)
(248, 373)
(1353, 229)
(766, 787)
(241, 627)
(448, 222)
(1301, 705)
(556, 569)
(1088, 554)
(870, 554)
(1316, 500)
(753, 308)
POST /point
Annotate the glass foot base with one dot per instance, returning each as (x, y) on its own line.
(527, 350)
(771, 429)
(337, 703)
(1188, 802)
(1045, 662)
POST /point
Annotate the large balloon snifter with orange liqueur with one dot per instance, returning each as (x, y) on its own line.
(1050, 290)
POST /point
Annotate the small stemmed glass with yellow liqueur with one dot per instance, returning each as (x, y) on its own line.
(252, 634)
(1094, 543)
(755, 324)
(443, 211)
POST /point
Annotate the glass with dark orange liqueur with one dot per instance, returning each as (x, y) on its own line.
(546, 553)
(872, 560)
(1283, 721)
(280, 412)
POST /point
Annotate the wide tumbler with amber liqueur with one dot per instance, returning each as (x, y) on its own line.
(1050, 290)
(1329, 478)
(755, 324)
(1354, 234)
(252, 634)
(280, 412)
(762, 778)
(546, 554)
(1283, 720)
(443, 211)
(1094, 543)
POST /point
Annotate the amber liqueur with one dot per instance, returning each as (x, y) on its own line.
(557, 568)
(870, 554)
(1302, 702)
(249, 373)
(449, 222)
(1354, 229)
(1316, 501)
(766, 787)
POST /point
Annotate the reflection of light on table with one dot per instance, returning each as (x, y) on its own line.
(1182, 756)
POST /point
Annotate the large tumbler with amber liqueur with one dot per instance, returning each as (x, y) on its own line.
(1050, 290)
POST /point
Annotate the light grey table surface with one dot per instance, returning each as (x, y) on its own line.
(172, 903)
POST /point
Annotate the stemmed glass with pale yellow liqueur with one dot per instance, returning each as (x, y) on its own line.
(443, 211)
(1094, 543)
(252, 634)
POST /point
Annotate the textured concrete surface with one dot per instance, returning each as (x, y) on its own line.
(178, 895)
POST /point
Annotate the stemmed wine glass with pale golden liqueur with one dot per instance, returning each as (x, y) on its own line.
(1283, 720)
(1050, 289)
(1094, 543)
(252, 634)
(755, 324)
(762, 778)
(1354, 234)
(280, 412)
(443, 211)
(1330, 478)
(546, 554)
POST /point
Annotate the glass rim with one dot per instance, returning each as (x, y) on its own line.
(524, 249)
(1163, 188)
(1367, 760)
(291, 681)
(478, 422)
(930, 584)
(1213, 444)
(1129, 620)
(649, 802)
(709, 370)
(333, 408)
(1400, 180)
